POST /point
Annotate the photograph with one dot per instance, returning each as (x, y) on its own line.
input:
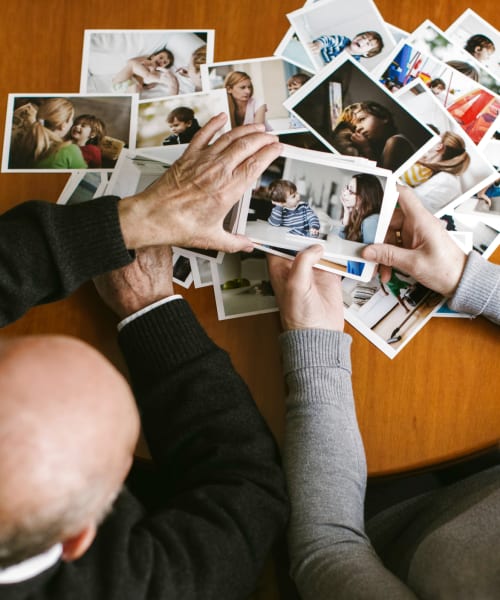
(176, 119)
(241, 285)
(152, 63)
(479, 38)
(182, 274)
(473, 107)
(451, 170)
(389, 314)
(256, 90)
(306, 197)
(329, 27)
(354, 115)
(67, 132)
(202, 272)
(83, 186)
(431, 40)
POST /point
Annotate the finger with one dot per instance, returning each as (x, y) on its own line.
(202, 137)
(409, 202)
(304, 261)
(390, 256)
(230, 242)
(258, 160)
(230, 137)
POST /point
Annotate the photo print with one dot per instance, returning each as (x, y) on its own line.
(151, 63)
(256, 90)
(433, 41)
(485, 203)
(176, 119)
(182, 274)
(83, 186)
(452, 169)
(67, 132)
(329, 27)
(242, 285)
(202, 272)
(477, 37)
(354, 115)
(473, 107)
(306, 197)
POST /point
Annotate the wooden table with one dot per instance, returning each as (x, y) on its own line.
(439, 399)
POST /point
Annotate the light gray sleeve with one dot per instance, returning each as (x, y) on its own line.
(478, 292)
(331, 555)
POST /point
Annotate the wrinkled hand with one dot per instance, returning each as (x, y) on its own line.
(187, 205)
(308, 298)
(418, 244)
(146, 280)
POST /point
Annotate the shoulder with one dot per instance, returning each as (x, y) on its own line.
(369, 228)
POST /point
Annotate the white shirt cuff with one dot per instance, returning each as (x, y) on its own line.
(146, 309)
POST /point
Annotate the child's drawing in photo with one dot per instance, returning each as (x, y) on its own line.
(255, 90)
(326, 29)
(151, 63)
(67, 133)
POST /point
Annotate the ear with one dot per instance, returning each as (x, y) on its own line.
(77, 545)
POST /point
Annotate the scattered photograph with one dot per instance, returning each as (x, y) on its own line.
(67, 132)
(182, 274)
(433, 41)
(451, 170)
(473, 107)
(354, 115)
(477, 37)
(256, 90)
(307, 197)
(389, 314)
(151, 63)
(202, 272)
(83, 186)
(176, 119)
(242, 285)
(330, 27)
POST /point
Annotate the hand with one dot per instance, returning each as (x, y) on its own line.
(187, 205)
(146, 280)
(308, 298)
(424, 249)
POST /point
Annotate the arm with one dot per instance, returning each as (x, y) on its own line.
(429, 255)
(325, 464)
(275, 216)
(260, 114)
(226, 496)
(397, 150)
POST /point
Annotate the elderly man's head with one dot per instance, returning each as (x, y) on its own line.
(68, 429)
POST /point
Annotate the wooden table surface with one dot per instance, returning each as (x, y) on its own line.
(437, 400)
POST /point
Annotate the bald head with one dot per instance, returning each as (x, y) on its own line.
(68, 429)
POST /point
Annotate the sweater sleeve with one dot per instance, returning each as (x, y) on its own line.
(331, 555)
(48, 250)
(478, 292)
(227, 500)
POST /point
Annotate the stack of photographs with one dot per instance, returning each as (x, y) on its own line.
(359, 105)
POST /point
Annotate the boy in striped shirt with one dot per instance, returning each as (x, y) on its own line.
(290, 211)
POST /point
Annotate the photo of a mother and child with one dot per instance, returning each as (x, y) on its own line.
(67, 132)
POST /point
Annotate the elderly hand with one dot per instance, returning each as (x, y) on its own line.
(188, 204)
(308, 298)
(139, 284)
(417, 244)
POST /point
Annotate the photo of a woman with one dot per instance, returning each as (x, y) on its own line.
(244, 107)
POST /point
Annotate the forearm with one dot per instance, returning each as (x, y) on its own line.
(326, 474)
(210, 443)
(48, 250)
(478, 292)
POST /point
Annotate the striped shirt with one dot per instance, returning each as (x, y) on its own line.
(332, 46)
(300, 219)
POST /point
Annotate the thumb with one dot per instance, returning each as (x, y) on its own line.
(231, 242)
(389, 255)
(305, 260)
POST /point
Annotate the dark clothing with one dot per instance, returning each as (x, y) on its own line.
(211, 447)
(183, 138)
